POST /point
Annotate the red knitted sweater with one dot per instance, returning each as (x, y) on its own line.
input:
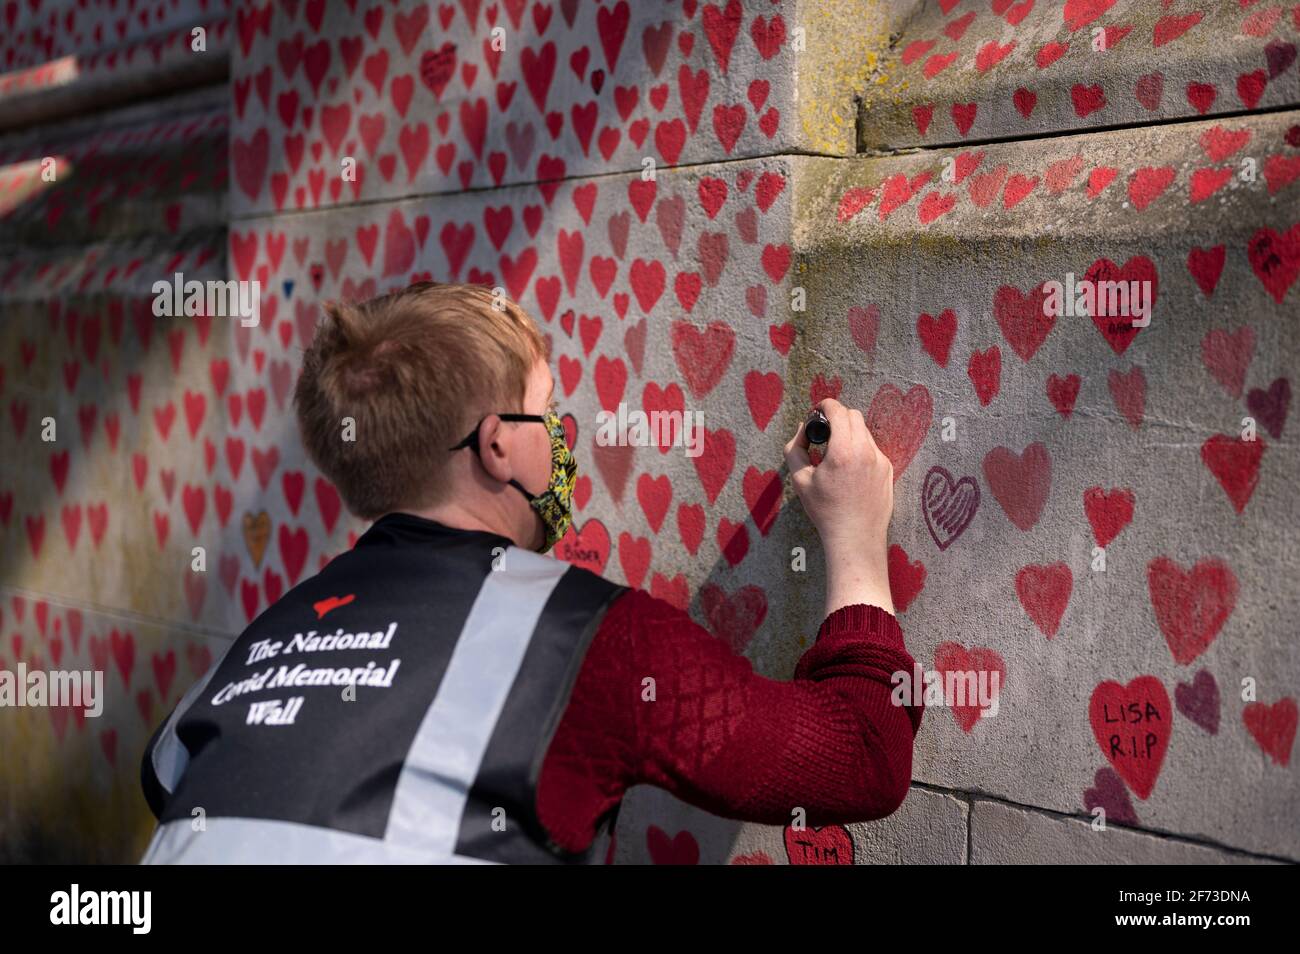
(724, 738)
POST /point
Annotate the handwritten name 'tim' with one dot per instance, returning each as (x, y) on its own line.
(103, 907)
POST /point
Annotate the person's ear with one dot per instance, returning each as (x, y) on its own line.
(494, 440)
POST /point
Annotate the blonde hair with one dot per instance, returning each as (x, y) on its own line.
(415, 370)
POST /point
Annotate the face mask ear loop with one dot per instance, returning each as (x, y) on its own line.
(520, 487)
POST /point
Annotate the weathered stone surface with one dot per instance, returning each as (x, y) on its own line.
(961, 70)
(424, 103)
(670, 284)
(923, 307)
(63, 59)
(107, 423)
(135, 199)
(70, 782)
(1006, 835)
(929, 828)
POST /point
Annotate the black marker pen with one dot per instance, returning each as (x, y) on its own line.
(817, 428)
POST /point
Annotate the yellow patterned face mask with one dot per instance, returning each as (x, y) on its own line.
(554, 504)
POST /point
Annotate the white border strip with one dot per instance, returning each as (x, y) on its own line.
(444, 759)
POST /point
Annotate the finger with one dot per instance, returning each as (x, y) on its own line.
(837, 415)
(801, 482)
(796, 452)
(800, 438)
(861, 436)
(872, 439)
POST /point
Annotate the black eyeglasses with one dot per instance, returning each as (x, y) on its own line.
(471, 439)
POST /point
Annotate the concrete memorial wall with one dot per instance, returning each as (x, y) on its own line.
(728, 209)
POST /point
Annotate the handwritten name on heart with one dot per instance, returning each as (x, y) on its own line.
(1132, 725)
(831, 845)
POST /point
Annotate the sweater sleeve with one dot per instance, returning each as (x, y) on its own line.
(661, 701)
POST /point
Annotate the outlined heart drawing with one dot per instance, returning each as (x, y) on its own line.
(948, 505)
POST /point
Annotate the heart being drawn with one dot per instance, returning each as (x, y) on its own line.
(899, 423)
(948, 505)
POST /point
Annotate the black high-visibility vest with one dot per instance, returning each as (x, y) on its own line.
(396, 707)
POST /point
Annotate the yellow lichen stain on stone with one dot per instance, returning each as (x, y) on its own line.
(75, 807)
(844, 40)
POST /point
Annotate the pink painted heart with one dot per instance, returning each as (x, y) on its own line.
(1191, 606)
(985, 373)
(1128, 389)
(1063, 391)
(936, 334)
(906, 578)
(1109, 794)
(1117, 316)
(703, 355)
(1275, 259)
(1206, 265)
(1023, 318)
(1079, 13)
(1226, 355)
(1199, 701)
(587, 546)
(864, 323)
(829, 845)
(1020, 483)
(1234, 462)
(1270, 405)
(990, 675)
(734, 618)
(1044, 591)
(1273, 727)
(1149, 90)
(680, 849)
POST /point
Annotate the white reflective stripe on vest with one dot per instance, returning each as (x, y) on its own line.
(448, 748)
(169, 757)
(261, 841)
